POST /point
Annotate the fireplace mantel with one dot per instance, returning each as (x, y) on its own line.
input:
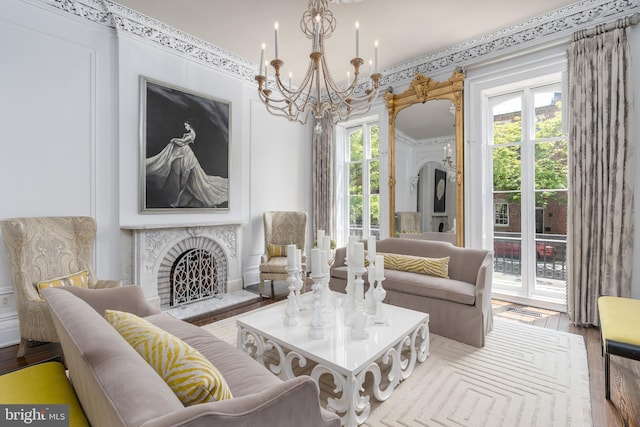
(152, 242)
(182, 225)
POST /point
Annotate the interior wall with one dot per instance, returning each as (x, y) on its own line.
(58, 114)
(71, 112)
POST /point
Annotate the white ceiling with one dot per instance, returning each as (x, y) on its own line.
(406, 29)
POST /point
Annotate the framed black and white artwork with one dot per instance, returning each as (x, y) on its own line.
(440, 191)
(184, 150)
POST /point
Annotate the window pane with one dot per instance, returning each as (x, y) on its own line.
(551, 244)
(375, 142)
(355, 212)
(548, 113)
(374, 177)
(355, 179)
(506, 168)
(374, 205)
(355, 145)
(551, 165)
(507, 238)
(507, 121)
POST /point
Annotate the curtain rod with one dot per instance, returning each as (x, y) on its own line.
(603, 28)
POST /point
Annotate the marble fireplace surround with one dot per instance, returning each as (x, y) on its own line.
(154, 245)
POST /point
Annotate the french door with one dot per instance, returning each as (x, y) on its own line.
(528, 152)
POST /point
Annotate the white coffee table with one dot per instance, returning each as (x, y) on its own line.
(338, 355)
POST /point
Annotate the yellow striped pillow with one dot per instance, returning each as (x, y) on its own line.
(438, 267)
(277, 250)
(190, 375)
(80, 279)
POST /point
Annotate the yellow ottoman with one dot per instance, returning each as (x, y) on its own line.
(42, 384)
(620, 330)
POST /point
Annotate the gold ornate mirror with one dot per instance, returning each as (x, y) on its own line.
(431, 185)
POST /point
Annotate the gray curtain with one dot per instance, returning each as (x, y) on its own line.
(601, 169)
(323, 191)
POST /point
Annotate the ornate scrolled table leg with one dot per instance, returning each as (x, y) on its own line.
(255, 346)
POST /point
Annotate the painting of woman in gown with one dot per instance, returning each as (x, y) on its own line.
(188, 171)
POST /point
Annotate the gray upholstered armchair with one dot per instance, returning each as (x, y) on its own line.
(281, 228)
(44, 248)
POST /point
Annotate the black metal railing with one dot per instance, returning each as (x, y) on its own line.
(551, 255)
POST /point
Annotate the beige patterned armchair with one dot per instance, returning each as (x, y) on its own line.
(40, 249)
(281, 228)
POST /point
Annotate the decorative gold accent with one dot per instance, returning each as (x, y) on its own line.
(420, 90)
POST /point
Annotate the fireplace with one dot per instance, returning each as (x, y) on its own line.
(178, 265)
(193, 269)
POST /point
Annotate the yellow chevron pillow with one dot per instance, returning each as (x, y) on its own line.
(438, 267)
(189, 374)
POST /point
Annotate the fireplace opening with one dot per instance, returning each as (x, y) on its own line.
(192, 270)
(194, 277)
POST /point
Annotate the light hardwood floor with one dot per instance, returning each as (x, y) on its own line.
(622, 411)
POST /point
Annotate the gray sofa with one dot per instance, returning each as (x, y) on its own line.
(116, 386)
(459, 307)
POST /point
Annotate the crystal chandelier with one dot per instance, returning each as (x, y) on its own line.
(317, 93)
(448, 163)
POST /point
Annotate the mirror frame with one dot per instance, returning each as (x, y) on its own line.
(423, 89)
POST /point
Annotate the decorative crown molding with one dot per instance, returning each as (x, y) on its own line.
(546, 28)
(438, 140)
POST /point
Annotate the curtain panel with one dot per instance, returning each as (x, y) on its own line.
(323, 169)
(601, 170)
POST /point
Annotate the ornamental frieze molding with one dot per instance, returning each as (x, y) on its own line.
(550, 27)
(427, 142)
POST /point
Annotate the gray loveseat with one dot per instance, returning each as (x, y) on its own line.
(116, 386)
(459, 307)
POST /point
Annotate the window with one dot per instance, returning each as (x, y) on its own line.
(501, 213)
(362, 168)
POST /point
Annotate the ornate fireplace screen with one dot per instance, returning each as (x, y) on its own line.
(194, 277)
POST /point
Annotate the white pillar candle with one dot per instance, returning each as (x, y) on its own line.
(352, 241)
(262, 57)
(319, 238)
(324, 262)
(316, 262)
(291, 256)
(276, 28)
(358, 255)
(379, 267)
(376, 57)
(326, 243)
(357, 39)
(371, 247)
(298, 259)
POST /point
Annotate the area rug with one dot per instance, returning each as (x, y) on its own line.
(524, 376)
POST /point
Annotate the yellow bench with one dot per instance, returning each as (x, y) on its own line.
(42, 384)
(620, 330)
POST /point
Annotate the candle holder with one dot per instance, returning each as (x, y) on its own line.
(369, 299)
(359, 317)
(350, 298)
(316, 331)
(298, 287)
(291, 312)
(379, 294)
(327, 296)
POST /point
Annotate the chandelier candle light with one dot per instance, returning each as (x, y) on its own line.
(317, 92)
